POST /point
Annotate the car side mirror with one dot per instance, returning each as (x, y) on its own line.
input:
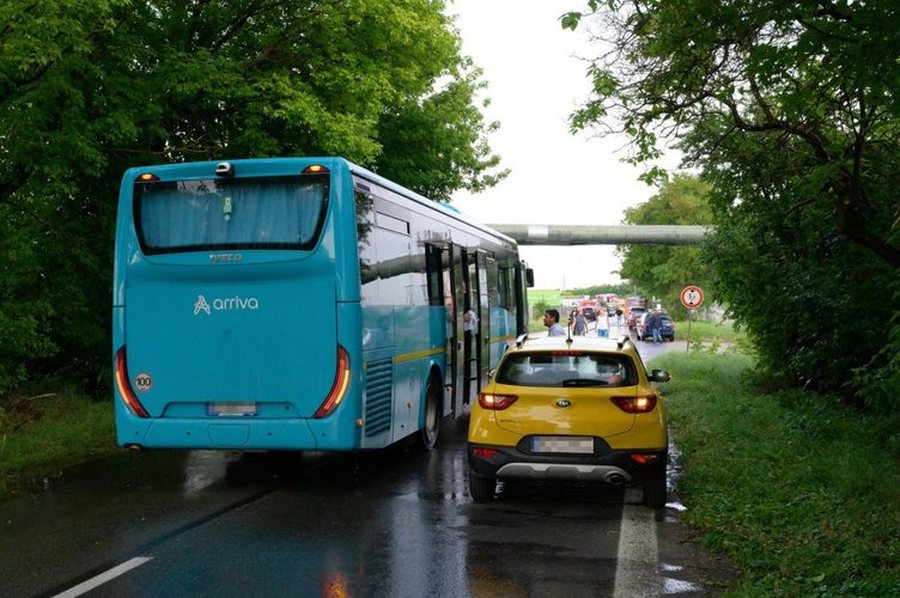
(660, 376)
(492, 373)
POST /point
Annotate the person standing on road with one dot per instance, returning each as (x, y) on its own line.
(551, 321)
(580, 327)
(654, 322)
(603, 325)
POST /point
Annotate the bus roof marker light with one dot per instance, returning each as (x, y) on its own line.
(315, 169)
(147, 177)
(225, 169)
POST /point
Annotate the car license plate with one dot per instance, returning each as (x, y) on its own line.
(563, 444)
(231, 409)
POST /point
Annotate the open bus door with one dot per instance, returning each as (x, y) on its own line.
(524, 280)
(455, 286)
(464, 354)
(486, 275)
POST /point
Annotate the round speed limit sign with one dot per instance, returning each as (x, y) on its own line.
(691, 297)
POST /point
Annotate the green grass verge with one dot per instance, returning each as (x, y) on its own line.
(702, 330)
(802, 493)
(40, 436)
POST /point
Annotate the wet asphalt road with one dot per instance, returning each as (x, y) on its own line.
(392, 523)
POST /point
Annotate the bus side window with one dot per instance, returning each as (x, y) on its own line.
(503, 287)
(434, 273)
(368, 260)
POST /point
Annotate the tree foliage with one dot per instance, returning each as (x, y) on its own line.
(664, 270)
(89, 88)
(790, 111)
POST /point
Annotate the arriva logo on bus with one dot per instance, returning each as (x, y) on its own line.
(226, 304)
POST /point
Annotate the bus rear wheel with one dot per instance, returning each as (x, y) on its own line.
(429, 434)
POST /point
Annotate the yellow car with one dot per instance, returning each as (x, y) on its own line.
(579, 408)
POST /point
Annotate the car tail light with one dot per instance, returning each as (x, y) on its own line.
(639, 404)
(131, 401)
(340, 386)
(489, 400)
(483, 453)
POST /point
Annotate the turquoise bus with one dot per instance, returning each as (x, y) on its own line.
(300, 304)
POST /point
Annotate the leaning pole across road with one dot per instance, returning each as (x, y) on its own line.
(576, 234)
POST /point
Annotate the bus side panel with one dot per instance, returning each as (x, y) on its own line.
(437, 360)
(378, 371)
(343, 216)
(413, 347)
(339, 431)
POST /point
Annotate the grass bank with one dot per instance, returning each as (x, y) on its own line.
(802, 493)
(41, 435)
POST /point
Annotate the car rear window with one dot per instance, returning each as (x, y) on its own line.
(234, 213)
(567, 368)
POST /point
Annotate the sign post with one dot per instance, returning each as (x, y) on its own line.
(691, 299)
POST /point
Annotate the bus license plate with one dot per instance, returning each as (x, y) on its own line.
(563, 444)
(231, 409)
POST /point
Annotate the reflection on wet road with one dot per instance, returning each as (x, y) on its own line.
(390, 523)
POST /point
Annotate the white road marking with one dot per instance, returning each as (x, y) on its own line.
(96, 581)
(637, 562)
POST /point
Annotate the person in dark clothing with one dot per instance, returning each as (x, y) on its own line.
(654, 323)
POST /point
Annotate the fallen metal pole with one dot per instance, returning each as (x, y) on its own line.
(574, 234)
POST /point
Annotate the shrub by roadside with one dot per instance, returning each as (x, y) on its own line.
(801, 492)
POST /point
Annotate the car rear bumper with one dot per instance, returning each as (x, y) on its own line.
(605, 465)
(607, 474)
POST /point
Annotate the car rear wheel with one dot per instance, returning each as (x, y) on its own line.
(481, 488)
(655, 492)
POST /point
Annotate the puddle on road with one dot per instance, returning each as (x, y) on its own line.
(679, 586)
(673, 475)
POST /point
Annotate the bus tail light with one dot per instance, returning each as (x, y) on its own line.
(639, 404)
(131, 401)
(494, 402)
(340, 386)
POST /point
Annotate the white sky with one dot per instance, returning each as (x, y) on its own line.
(535, 80)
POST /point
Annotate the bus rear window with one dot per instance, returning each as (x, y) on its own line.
(225, 214)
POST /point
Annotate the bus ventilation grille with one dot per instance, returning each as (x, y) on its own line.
(379, 381)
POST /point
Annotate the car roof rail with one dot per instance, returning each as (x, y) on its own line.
(622, 340)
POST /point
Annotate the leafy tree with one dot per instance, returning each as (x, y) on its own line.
(790, 111)
(664, 270)
(436, 145)
(89, 88)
